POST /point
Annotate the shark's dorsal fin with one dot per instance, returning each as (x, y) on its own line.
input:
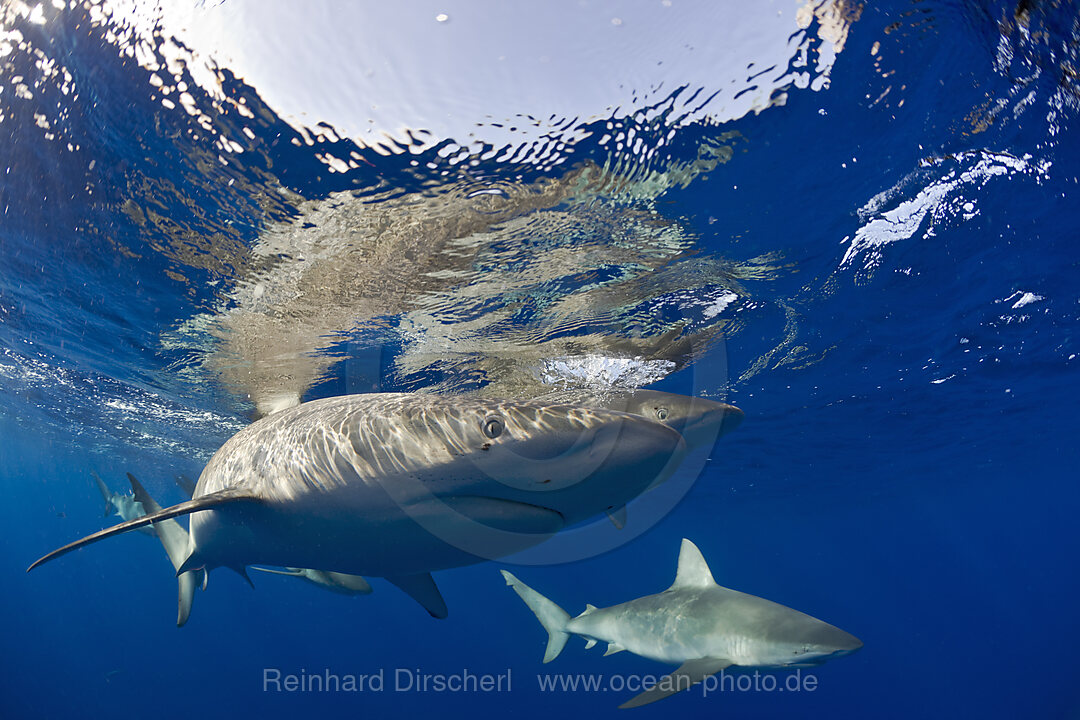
(422, 589)
(206, 502)
(693, 570)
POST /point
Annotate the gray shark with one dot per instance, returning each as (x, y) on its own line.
(398, 485)
(696, 624)
(124, 505)
(340, 583)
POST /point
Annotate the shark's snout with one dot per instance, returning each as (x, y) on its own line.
(849, 644)
(830, 641)
(723, 416)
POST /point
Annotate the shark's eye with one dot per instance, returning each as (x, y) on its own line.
(493, 426)
(661, 414)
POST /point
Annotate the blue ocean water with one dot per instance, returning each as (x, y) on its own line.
(876, 264)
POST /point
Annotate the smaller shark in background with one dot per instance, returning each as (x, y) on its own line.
(124, 505)
(341, 583)
(695, 623)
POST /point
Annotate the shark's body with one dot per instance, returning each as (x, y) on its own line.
(398, 485)
(696, 624)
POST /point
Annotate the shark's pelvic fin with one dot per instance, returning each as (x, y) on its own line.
(242, 572)
(613, 648)
(550, 615)
(174, 539)
(617, 516)
(206, 502)
(351, 583)
(422, 589)
(589, 644)
(693, 570)
(690, 673)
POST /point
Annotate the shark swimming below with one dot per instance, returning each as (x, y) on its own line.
(398, 485)
(695, 623)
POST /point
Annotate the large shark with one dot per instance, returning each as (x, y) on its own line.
(397, 485)
(695, 623)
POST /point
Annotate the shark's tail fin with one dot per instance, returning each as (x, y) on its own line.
(550, 615)
(174, 539)
(105, 493)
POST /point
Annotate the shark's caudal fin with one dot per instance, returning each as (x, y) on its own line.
(105, 493)
(550, 615)
(206, 502)
(174, 539)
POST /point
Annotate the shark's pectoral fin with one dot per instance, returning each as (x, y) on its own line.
(242, 572)
(423, 590)
(690, 673)
(206, 502)
(617, 516)
(613, 648)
